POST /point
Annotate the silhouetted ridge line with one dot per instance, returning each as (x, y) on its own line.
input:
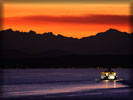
(31, 44)
(31, 32)
(112, 30)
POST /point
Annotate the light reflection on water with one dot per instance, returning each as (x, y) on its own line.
(112, 84)
(68, 89)
(24, 82)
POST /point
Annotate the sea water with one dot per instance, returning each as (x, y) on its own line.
(61, 82)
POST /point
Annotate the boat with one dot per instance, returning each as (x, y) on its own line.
(108, 75)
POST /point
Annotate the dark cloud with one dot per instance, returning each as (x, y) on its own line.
(120, 1)
(88, 19)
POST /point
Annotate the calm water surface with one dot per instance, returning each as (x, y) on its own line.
(22, 82)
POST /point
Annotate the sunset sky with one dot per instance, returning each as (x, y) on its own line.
(72, 19)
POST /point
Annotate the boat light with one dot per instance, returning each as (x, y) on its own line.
(111, 77)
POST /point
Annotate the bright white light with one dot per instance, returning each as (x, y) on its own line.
(111, 77)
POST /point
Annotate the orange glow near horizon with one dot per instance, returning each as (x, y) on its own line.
(72, 20)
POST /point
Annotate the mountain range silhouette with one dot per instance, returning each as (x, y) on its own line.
(30, 44)
(22, 49)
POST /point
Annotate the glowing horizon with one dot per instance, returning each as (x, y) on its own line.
(68, 19)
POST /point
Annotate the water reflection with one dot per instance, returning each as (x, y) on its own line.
(112, 84)
(68, 89)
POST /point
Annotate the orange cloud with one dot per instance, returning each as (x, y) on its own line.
(88, 19)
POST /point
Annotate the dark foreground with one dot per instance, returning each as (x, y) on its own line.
(69, 61)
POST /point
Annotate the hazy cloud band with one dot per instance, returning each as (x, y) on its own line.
(88, 19)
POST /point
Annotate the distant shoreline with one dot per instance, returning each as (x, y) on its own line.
(83, 61)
